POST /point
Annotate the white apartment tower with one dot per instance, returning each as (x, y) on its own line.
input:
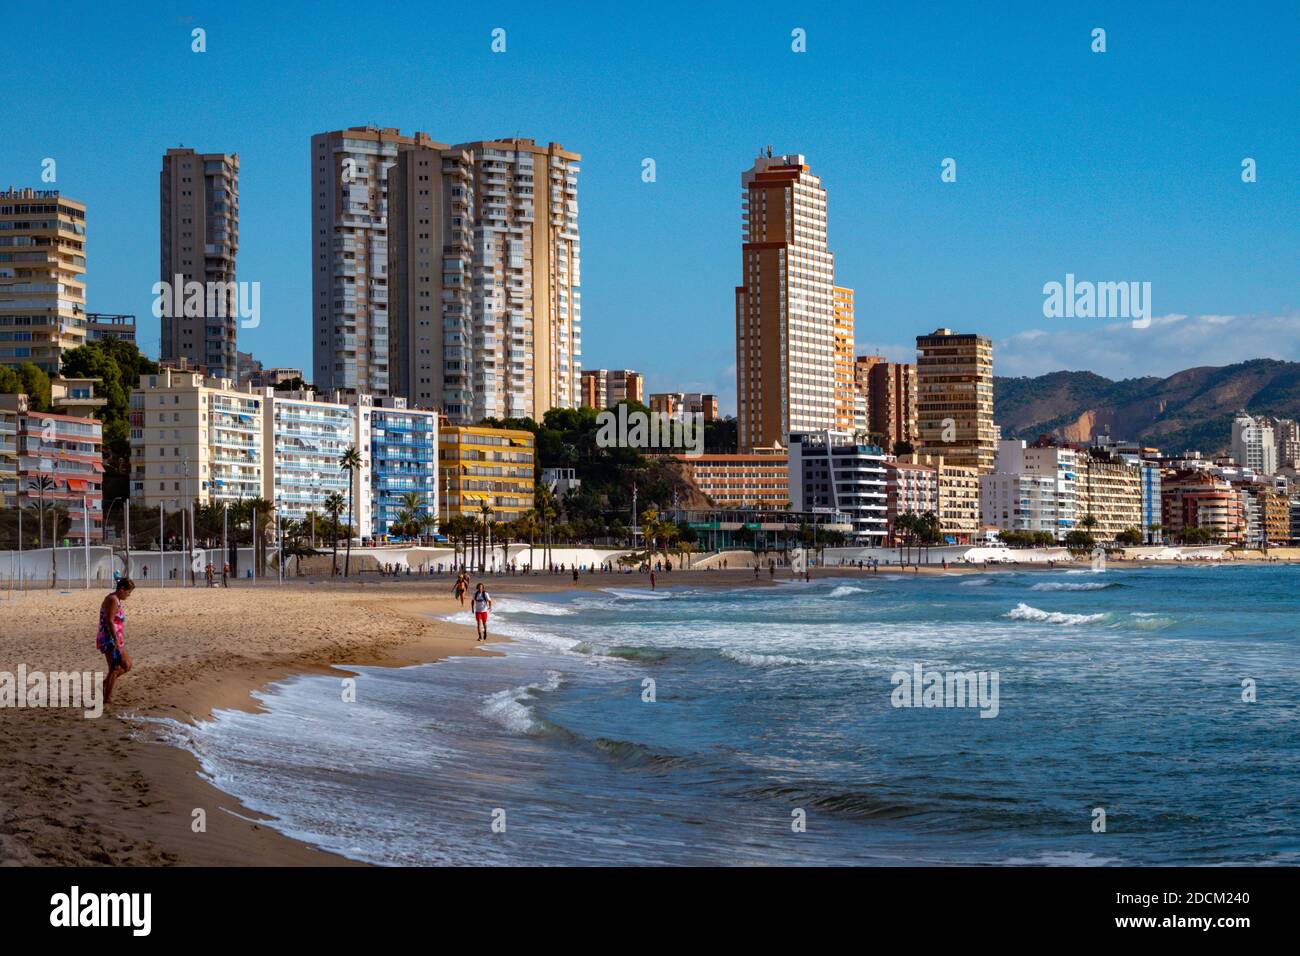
(785, 305)
(1254, 444)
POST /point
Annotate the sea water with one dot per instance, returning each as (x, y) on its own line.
(1144, 717)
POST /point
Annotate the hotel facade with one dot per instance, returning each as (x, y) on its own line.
(42, 277)
(833, 472)
(954, 398)
(349, 247)
(758, 480)
(958, 494)
(399, 450)
(195, 439)
(306, 438)
(486, 467)
(61, 452)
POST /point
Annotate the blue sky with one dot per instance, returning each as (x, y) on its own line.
(1124, 165)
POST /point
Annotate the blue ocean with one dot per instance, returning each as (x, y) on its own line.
(1144, 716)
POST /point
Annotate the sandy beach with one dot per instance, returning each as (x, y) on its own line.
(76, 791)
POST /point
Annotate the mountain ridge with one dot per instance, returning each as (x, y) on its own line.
(1191, 409)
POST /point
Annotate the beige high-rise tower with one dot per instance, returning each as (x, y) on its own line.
(198, 243)
(785, 309)
(954, 398)
(484, 278)
(42, 282)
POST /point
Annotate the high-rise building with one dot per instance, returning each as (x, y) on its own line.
(42, 277)
(1286, 434)
(677, 404)
(198, 242)
(785, 305)
(954, 397)
(889, 394)
(834, 472)
(1254, 444)
(492, 467)
(843, 334)
(605, 388)
(349, 244)
(485, 275)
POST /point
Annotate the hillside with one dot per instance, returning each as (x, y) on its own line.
(1192, 409)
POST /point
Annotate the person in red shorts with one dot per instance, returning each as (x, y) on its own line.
(482, 602)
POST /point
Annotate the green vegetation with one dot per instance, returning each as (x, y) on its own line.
(602, 507)
(118, 365)
(29, 380)
(1027, 539)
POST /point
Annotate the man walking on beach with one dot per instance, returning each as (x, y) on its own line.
(482, 602)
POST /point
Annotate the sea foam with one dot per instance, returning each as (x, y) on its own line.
(1024, 612)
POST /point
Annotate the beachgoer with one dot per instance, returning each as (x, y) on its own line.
(111, 636)
(482, 603)
(459, 588)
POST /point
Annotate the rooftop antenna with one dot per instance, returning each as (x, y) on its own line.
(769, 151)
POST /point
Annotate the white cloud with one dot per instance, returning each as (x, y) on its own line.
(1170, 344)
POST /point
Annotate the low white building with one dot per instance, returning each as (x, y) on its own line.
(833, 471)
(305, 438)
(1031, 489)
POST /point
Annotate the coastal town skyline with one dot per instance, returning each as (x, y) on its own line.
(886, 195)
(668, 438)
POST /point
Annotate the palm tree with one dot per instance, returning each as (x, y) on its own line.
(350, 461)
(506, 532)
(334, 506)
(458, 528)
(41, 485)
(428, 524)
(262, 510)
(485, 510)
(413, 504)
(527, 525)
(905, 525)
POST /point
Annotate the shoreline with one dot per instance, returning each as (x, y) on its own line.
(109, 791)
